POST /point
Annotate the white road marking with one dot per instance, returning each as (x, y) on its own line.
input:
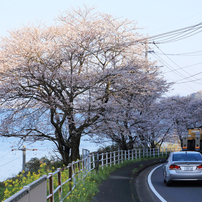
(152, 187)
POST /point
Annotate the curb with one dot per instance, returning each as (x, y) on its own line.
(135, 176)
(146, 166)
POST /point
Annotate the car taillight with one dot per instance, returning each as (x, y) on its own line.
(174, 167)
(199, 167)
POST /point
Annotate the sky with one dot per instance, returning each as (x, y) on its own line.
(180, 62)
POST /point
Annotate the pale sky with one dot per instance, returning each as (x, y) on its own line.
(154, 16)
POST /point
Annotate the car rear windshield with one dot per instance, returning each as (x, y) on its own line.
(187, 157)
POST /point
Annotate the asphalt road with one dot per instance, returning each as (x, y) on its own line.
(121, 184)
(179, 191)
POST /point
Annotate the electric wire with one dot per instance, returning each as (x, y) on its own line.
(178, 73)
(191, 76)
(9, 161)
(180, 34)
(176, 64)
(173, 36)
(5, 154)
(190, 81)
(180, 37)
(167, 65)
(183, 67)
(172, 70)
(181, 54)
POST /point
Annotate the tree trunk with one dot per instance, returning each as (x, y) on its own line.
(75, 147)
(64, 151)
(130, 144)
(123, 145)
(153, 145)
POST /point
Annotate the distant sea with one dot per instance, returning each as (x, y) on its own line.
(11, 161)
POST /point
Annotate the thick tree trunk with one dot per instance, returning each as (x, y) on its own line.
(130, 144)
(64, 151)
(65, 156)
(75, 147)
(123, 144)
(153, 145)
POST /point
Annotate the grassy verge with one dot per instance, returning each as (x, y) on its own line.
(2, 189)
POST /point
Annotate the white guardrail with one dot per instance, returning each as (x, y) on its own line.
(59, 185)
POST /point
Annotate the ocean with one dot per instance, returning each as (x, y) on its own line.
(11, 161)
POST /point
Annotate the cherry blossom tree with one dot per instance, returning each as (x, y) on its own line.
(150, 122)
(135, 118)
(184, 112)
(57, 81)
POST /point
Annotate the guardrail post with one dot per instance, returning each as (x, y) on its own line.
(89, 163)
(139, 154)
(102, 160)
(59, 183)
(153, 152)
(51, 188)
(93, 161)
(73, 173)
(110, 158)
(70, 176)
(125, 155)
(135, 153)
(128, 154)
(106, 159)
(114, 157)
(132, 154)
(121, 156)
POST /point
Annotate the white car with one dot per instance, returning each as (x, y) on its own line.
(183, 165)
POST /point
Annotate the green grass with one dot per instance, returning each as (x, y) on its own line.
(2, 189)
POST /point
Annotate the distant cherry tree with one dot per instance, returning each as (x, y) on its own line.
(183, 112)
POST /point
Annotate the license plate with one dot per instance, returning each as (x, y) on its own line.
(188, 168)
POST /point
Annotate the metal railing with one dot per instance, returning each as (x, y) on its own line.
(77, 171)
(36, 191)
(63, 181)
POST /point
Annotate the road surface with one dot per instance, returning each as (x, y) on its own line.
(157, 190)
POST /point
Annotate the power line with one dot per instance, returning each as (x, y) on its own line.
(167, 65)
(183, 67)
(171, 70)
(176, 64)
(176, 35)
(182, 54)
(191, 76)
(9, 162)
(4, 155)
(190, 81)
(173, 36)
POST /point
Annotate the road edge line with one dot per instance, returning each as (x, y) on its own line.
(152, 187)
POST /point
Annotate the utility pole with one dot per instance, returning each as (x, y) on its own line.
(23, 149)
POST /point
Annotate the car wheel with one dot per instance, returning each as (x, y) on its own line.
(168, 183)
